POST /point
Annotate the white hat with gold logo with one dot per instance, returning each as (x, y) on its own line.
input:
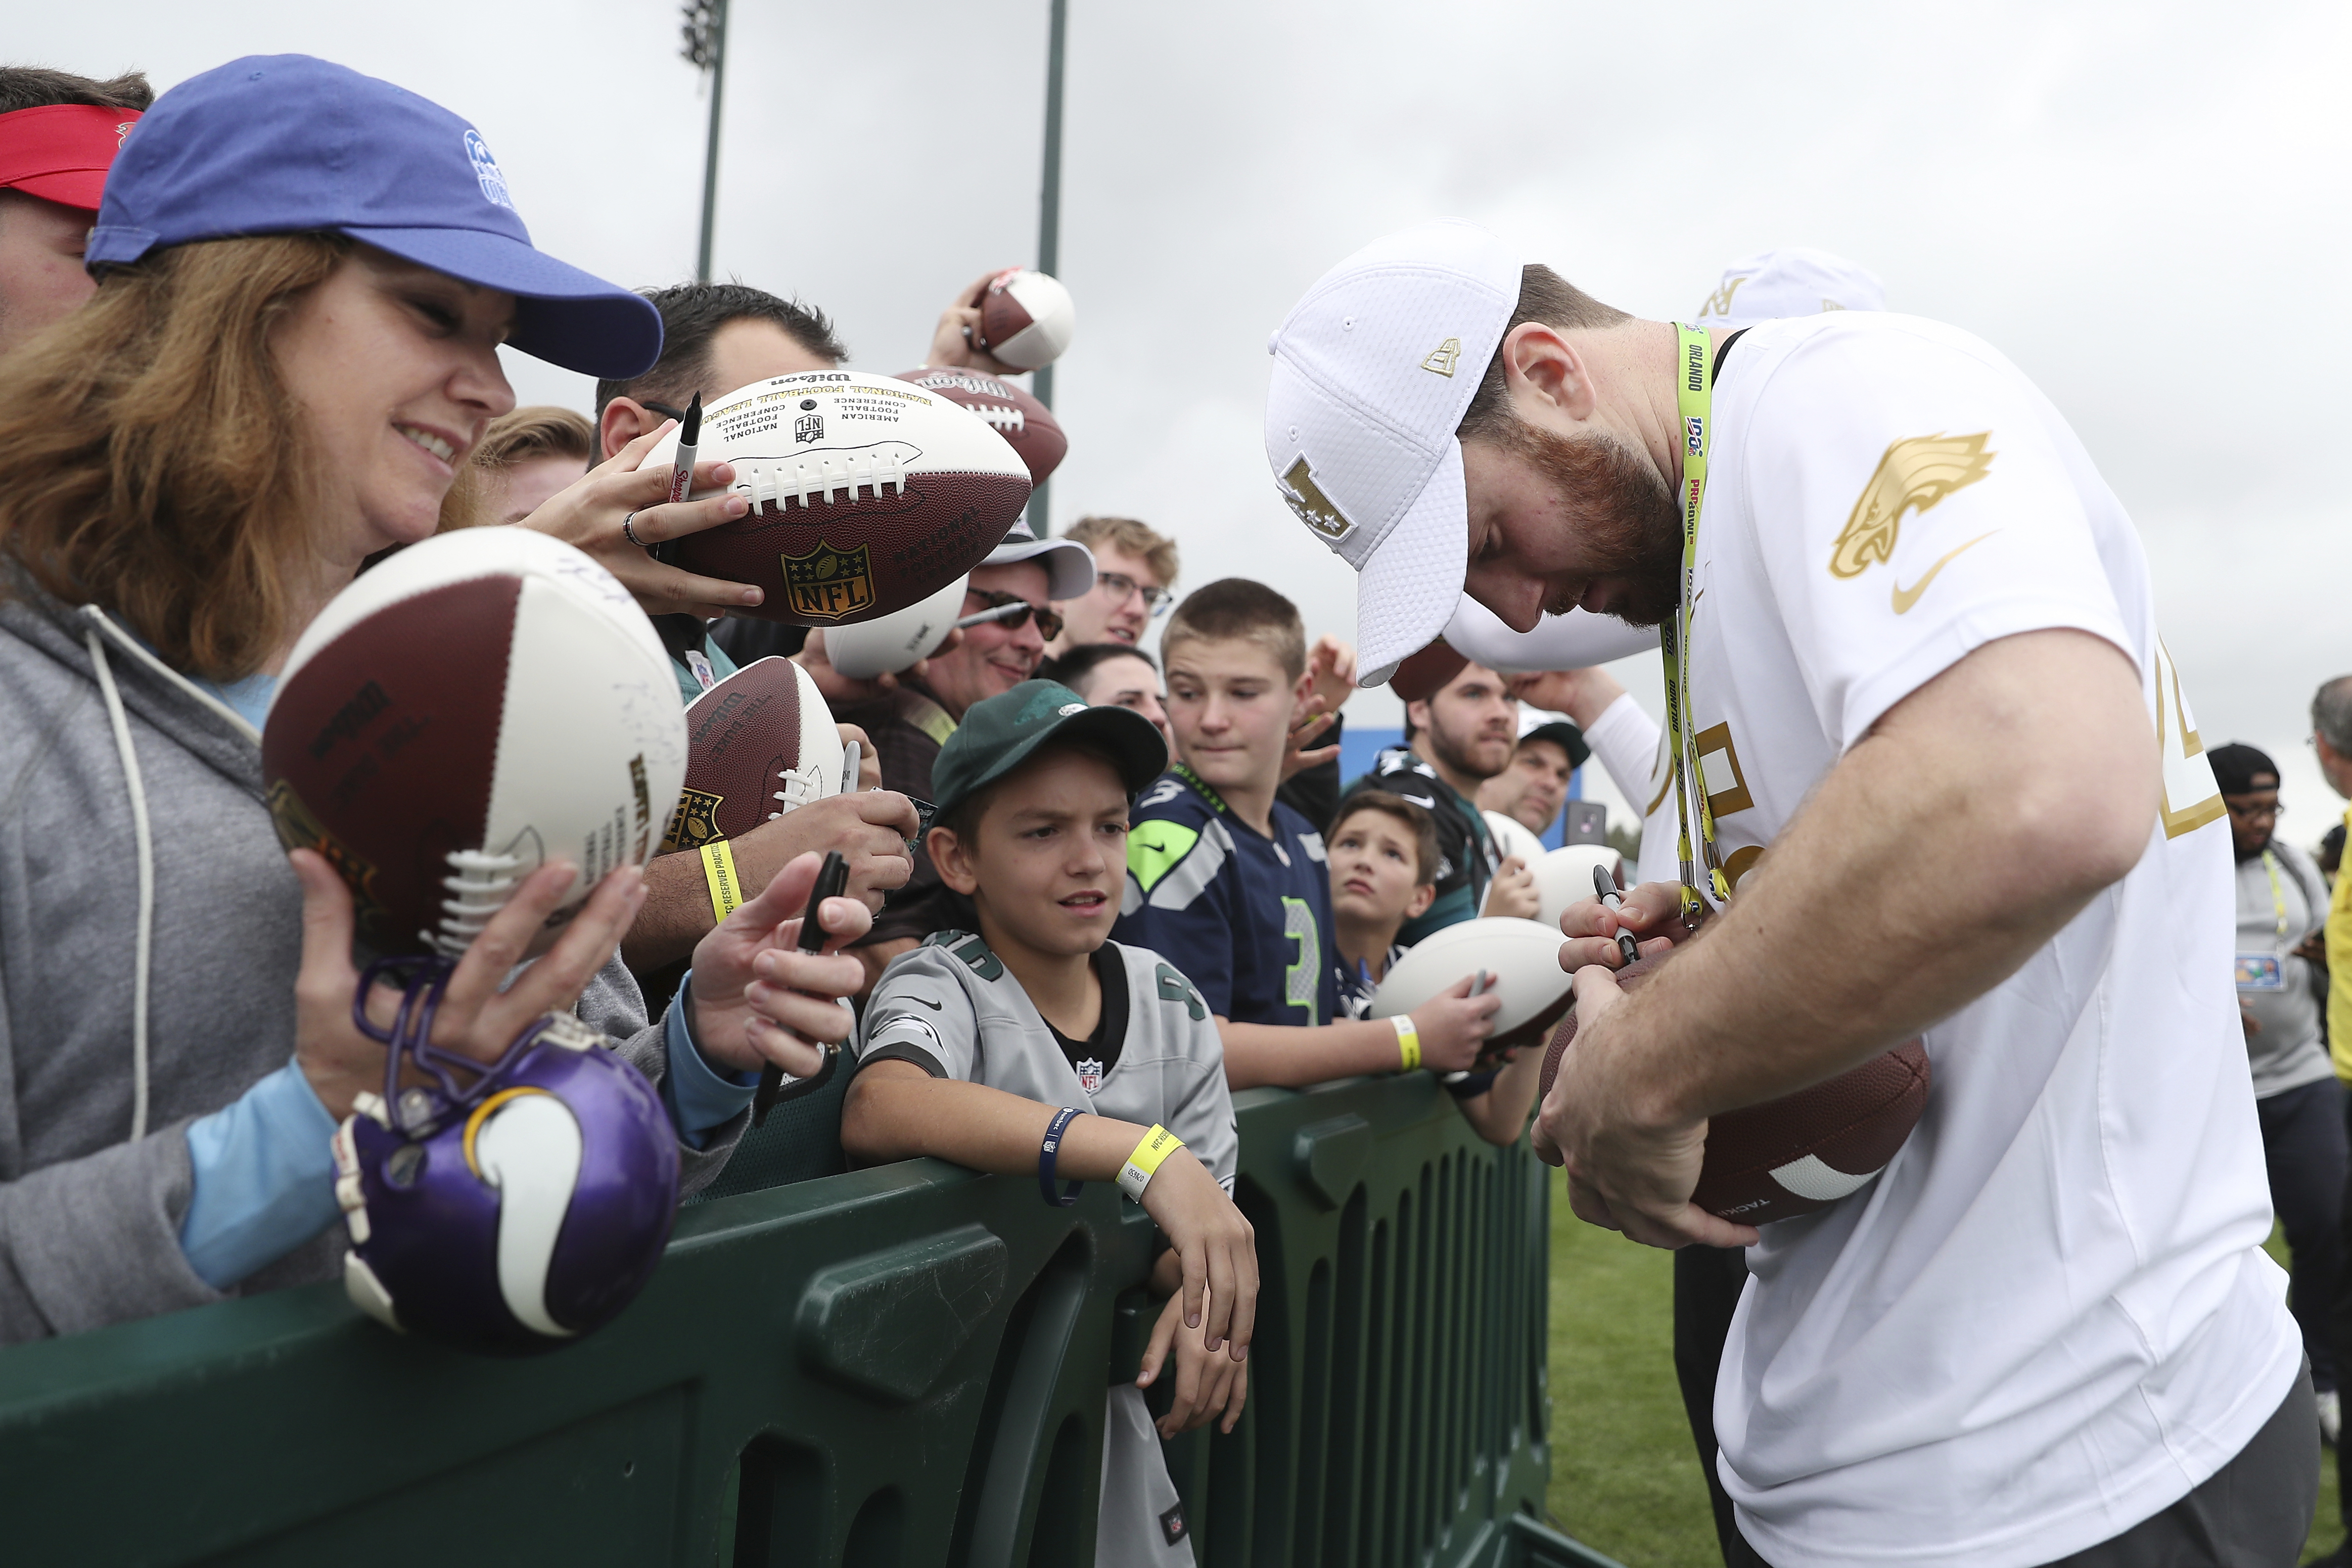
(1373, 373)
(1792, 281)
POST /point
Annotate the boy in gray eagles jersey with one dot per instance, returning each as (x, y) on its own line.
(1035, 1044)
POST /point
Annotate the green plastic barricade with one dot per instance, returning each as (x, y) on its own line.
(897, 1366)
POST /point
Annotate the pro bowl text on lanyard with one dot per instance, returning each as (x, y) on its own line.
(1694, 395)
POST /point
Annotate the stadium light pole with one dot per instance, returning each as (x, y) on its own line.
(1049, 224)
(705, 50)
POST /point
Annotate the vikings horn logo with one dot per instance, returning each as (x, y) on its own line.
(1913, 475)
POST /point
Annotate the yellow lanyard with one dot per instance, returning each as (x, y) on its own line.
(1694, 395)
(2278, 897)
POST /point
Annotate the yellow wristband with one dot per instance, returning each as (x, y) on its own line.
(1408, 1041)
(1157, 1145)
(719, 870)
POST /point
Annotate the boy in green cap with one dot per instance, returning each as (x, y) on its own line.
(1032, 1043)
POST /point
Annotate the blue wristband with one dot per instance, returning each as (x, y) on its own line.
(1047, 1155)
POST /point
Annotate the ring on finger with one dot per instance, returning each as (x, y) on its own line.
(630, 533)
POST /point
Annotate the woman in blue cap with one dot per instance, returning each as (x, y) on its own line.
(305, 275)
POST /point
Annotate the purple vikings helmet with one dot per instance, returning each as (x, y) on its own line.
(516, 1212)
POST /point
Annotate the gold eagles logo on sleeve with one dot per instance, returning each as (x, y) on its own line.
(1913, 475)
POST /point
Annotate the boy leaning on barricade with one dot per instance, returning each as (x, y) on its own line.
(1029, 1042)
(1230, 884)
(1384, 858)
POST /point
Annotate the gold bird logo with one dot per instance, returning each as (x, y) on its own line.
(1913, 475)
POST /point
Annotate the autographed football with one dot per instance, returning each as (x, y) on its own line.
(1026, 319)
(867, 494)
(759, 744)
(1804, 1151)
(1520, 958)
(1028, 425)
(479, 704)
(898, 640)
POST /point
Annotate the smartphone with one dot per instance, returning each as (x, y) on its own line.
(831, 878)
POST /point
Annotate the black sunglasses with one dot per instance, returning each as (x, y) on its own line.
(1012, 612)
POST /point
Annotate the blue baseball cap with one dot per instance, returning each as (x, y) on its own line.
(285, 143)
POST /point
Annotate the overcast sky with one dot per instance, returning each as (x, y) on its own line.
(2144, 206)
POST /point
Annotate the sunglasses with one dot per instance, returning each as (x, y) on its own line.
(1012, 612)
(1121, 587)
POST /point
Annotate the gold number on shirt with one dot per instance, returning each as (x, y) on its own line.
(2192, 797)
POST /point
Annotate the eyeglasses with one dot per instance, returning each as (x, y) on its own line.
(2254, 811)
(664, 409)
(1121, 587)
(1012, 612)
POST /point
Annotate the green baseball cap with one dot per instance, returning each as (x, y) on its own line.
(998, 735)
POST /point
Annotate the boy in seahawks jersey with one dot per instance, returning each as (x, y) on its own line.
(1032, 1043)
(1384, 861)
(1230, 886)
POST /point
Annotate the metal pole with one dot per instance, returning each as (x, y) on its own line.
(1049, 225)
(717, 67)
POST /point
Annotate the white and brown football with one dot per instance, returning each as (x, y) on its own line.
(1026, 319)
(1805, 1150)
(1564, 877)
(897, 641)
(1028, 425)
(478, 705)
(1520, 958)
(867, 494)
(759, 744)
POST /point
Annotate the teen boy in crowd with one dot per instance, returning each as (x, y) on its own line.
(530, 457)
(1456, 739)
(1383, 854)
(1115, 675)
(1027, 1040)
(1135, 577)
(58, 134)
(1230, 885)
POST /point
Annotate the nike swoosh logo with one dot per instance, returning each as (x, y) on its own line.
(1906, 597)
(928, 1003)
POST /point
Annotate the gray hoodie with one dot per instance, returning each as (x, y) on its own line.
(150, 931)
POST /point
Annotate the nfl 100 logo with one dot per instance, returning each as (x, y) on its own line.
(1090, 1075)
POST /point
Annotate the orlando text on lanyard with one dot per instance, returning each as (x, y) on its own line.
(1695, 396)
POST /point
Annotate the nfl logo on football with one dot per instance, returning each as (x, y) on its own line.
(1090, 1075)
(809, 427)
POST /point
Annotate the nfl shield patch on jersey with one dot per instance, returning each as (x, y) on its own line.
(1090, 1075)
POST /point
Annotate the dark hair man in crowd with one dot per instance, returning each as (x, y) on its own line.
(58, 134)
(2282, 913)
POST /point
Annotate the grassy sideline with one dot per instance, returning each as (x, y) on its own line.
(1624, 1478)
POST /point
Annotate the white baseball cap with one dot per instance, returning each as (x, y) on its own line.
(1794, 281)
(1069, 566)
(1373, 373)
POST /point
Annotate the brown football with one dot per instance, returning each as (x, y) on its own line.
(1026, 424)
(867, 494)
(758, 744)
(1804, 1151)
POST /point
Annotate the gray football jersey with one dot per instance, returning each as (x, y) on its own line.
(952, 1007)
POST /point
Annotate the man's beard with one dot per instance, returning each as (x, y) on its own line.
(1458, 757)
(1624, 518)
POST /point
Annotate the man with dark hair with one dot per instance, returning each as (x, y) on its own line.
(2282, 910)
(59, 133)
(1456, 739)
(1918, 698)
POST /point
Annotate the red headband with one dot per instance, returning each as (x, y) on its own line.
(61, 151)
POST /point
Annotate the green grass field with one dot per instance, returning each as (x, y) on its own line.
(1624, 1478)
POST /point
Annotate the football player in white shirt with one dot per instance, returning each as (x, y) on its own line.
(1919, 666)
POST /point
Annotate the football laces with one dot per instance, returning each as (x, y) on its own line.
(478, 891)
(802, 786)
